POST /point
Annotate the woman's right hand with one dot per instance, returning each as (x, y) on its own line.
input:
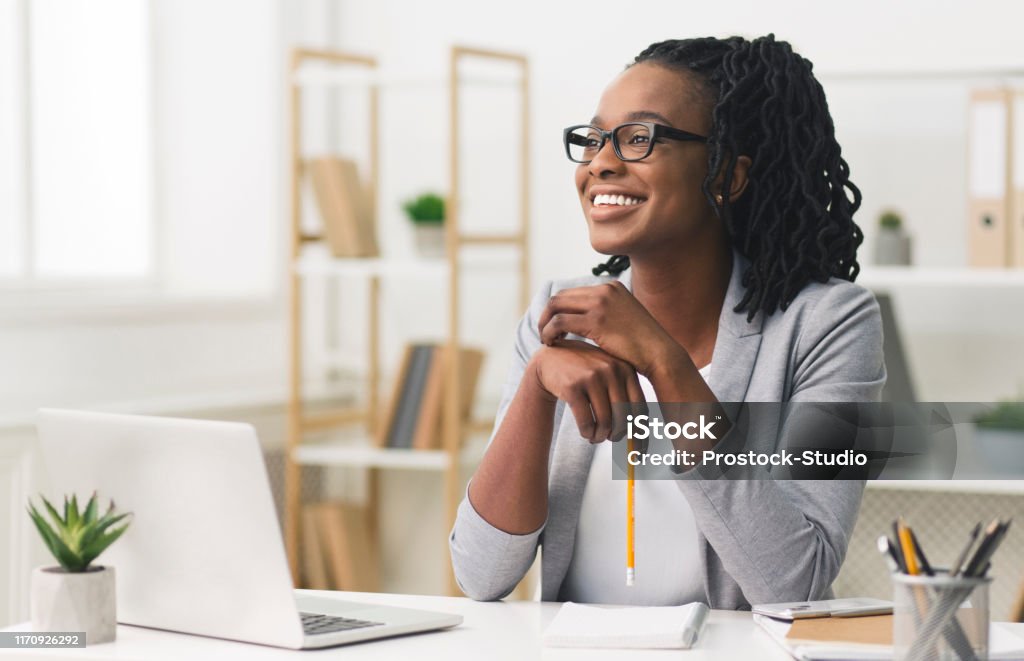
(591, 382)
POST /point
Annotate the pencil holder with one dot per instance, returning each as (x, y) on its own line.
(940, 618)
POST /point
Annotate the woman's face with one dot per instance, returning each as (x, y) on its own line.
(672, 212)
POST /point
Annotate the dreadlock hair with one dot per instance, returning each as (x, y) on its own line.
(794, 221)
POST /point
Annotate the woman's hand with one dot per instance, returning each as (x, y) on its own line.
(611, 316)
(594, 384)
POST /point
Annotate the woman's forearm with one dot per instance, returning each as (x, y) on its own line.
(510, 488)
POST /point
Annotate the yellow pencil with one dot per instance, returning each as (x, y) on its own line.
(907, 545)
(630, 522)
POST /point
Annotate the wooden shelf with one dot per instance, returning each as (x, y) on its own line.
(337, 77)
(412, 267)
(884, 277)
(1010, 487)
(365, 456)
(468, 255)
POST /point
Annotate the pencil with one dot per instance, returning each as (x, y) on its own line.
(909, 556)
(630, 519)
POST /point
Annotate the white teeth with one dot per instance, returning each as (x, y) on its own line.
(616, 200)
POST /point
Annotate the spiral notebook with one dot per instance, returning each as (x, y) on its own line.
(626, 627)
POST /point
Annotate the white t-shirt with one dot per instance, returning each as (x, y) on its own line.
(667, 564)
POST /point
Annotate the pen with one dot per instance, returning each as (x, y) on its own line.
(976, 567)
(630, 518)
(967, 549)
(887, 550)
(925, 565)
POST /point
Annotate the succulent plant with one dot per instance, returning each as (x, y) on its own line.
(1005, 415)
(427, 208)
(78, 537)
(890, 220)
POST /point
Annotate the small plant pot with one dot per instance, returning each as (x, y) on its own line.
(892, 248)
(430, 239)
(66, 601)
(1001, 449)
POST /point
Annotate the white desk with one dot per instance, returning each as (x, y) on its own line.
(490, 632)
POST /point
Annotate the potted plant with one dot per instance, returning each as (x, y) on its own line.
(999, 436)
(76, 595)
(426, 212)
(892, 245)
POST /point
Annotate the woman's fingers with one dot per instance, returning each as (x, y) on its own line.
(600, 403)
(563, 323)
(579, 404)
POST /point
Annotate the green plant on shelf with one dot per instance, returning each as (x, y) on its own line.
(427, 208)
(78, 537)
(1005, 415)
(890, 220)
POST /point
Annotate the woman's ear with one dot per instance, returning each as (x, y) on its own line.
(739, 179)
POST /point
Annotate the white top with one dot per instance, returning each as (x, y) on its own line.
(667, 562)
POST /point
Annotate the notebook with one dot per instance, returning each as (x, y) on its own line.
(862, 638)
(629, 627)
(850, 607)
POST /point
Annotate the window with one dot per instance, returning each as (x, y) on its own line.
(76, 182)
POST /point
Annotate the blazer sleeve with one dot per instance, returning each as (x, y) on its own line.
(488, 563)
(785, 540)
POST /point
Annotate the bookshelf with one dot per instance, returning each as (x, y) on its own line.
(341, 71)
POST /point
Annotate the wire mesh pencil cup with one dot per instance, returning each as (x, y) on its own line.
(940, 618)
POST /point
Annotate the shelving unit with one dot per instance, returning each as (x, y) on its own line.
(335, 69)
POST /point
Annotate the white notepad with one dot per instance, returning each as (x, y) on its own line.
(649, 627)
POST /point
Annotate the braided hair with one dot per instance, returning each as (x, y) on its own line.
(794, 222)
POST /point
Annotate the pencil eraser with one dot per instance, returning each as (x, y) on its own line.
(630, 577)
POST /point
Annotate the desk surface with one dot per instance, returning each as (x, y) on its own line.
(491, 631)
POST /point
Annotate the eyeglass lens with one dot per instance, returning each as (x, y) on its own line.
(633, 142)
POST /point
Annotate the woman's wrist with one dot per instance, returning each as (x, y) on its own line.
(668, 363)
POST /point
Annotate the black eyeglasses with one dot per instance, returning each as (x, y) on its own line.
(632, 141)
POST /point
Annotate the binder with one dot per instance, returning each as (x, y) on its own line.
(1015, 224)
(989, 177)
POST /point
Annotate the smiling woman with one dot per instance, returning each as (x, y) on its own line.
(728, 212)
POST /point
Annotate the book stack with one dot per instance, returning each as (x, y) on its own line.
(417, 405)
(337, 550)
(345, 207)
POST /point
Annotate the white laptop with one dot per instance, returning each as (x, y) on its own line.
(204, 553)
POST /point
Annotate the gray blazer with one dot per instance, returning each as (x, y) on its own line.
(760, 541)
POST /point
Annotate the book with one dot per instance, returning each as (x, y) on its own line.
(651, 627)
(407, 400)
(314, 565)
(350, 558)
(416, 409)
(427, 435)
(344, 207)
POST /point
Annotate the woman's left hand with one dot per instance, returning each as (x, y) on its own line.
(611, 316)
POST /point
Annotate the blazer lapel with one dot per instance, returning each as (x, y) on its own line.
(570, 466)
(737, 344)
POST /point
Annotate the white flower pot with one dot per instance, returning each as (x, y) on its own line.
(892, 248)
(85, 601)
(430, 239)
(1002, 449)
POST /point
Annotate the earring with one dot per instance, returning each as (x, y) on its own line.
(718, 199)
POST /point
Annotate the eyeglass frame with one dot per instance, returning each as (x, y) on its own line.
(656, 130)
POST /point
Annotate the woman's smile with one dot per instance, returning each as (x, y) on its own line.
(607, 203)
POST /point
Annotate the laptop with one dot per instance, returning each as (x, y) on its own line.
(204, 553)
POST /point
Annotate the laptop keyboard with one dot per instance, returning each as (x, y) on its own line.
(316, 623)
